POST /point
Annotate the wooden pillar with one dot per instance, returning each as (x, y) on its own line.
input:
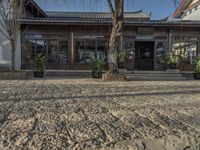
(170, 41)
(198, 44)
(72, 50)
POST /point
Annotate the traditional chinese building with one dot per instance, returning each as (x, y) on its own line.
(188, 10)
(69, 38)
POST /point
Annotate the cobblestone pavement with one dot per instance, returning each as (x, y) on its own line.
(90, 114)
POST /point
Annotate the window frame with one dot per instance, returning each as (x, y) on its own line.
(46, 38)
(85, 44)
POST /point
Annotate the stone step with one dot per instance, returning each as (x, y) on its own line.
(153, 78)
(155, 75)
(154, 72)
(71, 73)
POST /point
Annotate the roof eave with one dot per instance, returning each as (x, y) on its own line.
(150, 23)
(178, 11)
(37, 7)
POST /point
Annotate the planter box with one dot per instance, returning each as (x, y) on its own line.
(122, 70)
(113, 77)
(187, 67)
(38, 74)
(173, 66)
(196, 76)
(14, 75)
(96, 74)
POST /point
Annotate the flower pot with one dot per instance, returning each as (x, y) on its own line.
(196, 76)
(173, 66)
(96, 74)
(38, 74)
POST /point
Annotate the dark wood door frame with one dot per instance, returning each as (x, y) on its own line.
(144, 55)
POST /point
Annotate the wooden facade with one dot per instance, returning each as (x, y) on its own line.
(155, 41)
(69, 39)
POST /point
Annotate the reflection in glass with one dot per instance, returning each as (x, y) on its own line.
(101, 49)
(89, 48)
(57, 52)
(160, 55)
(129, 47)
(41, 47)
(188, 50)
(28, 54)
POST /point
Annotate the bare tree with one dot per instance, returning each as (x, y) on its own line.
(10, 13)
(117, 11)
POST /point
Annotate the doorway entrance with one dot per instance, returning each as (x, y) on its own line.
(144, 55)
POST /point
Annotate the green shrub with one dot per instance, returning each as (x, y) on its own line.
(40, 62)
(97, 64)
(197, 65)
(172, 58)
(122, 56)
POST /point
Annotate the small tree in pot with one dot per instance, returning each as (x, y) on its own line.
(173, 60)
(97, 67)
(40, 63)
(196, 75)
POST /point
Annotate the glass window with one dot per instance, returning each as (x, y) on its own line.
(129, 48)
(101, 49)
(187, 13)
(186, 46)
(52, 51)
(188, 50)
(41, 46)
(89, 48)
(193, 9)
(46, 36)
(160, 55)
(63, 52)
(28, 53)
(57, 52)
(80, 52)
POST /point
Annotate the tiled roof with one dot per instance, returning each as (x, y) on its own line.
(95, 15)
(35, 5)
(128, 22)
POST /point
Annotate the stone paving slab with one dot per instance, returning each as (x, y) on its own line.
(76, 114)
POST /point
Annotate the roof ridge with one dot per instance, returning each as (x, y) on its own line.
(140, 11)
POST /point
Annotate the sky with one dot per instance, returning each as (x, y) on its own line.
(159, 8)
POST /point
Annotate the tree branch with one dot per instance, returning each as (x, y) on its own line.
(111, 6)
(1, 31)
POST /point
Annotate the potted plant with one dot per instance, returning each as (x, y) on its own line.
(40, 61)
(173, 60)
(121, 59)
(161, 62)
(196, 75)
(97, 67)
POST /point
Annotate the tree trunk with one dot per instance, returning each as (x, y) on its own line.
(12, 67)
(117, 29)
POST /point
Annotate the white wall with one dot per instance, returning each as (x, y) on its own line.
(5, 51)
(193, 16)
(18, 53)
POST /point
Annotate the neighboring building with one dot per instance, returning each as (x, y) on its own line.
(188, 10)
(68, 38)
(4, 53)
